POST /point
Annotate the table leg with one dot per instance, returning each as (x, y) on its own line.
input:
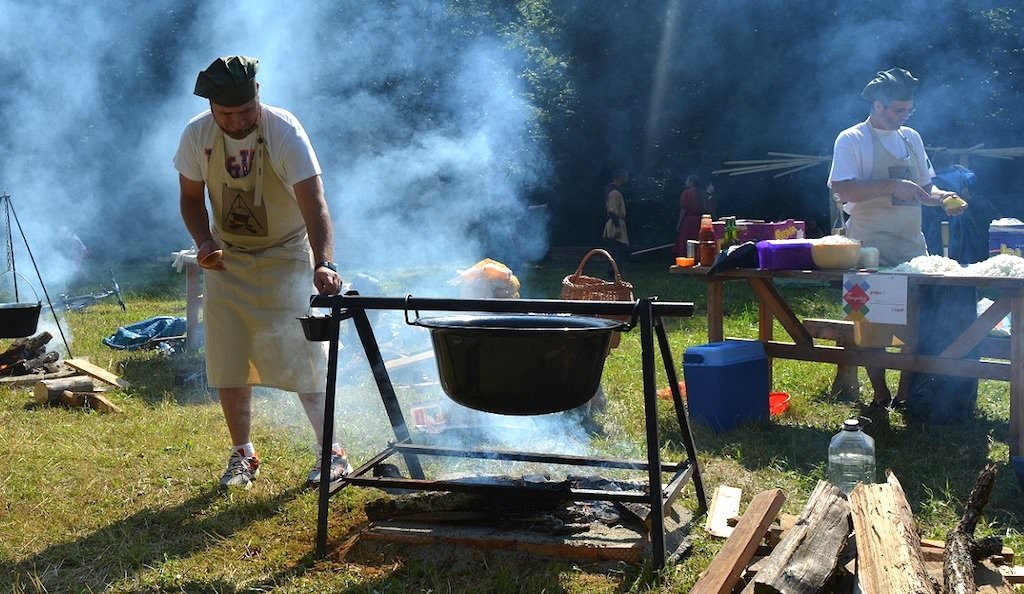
(765, 330)
(1017, 381)
(716, 310)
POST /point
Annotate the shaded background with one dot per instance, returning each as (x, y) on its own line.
(451, 130)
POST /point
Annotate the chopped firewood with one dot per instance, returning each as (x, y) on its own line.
(809, 553)
(889, 555)
(49, 391)
(988, 548)
(97, 372)
(1013, 574)
(725, 505)
(92, 400)
(24, 348)
(724, 571)
(961, 548)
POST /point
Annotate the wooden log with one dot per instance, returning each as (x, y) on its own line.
(92, 400)
(958, 560)
(724, 571)
(40, 362)
(808, 554)
(889, 555)
(23, 348)
(49, 391)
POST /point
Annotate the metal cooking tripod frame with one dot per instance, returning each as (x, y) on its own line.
(648, 311)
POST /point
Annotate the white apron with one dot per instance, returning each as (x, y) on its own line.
(250, 309)
(892, 226)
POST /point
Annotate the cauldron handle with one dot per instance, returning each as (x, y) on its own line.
(405, 312)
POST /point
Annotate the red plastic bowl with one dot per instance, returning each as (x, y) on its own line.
(778, 403)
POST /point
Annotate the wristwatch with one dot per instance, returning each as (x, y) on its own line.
(327, 264)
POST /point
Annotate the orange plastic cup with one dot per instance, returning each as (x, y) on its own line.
(685, 262)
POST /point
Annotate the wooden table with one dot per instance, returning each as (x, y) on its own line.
(1003, 359)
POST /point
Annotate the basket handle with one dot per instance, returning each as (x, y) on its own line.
(615, 267)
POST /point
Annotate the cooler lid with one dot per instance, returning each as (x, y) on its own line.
(724, 353)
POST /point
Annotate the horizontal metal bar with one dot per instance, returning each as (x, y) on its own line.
(498, 489)
(623, 308)
(424, 450)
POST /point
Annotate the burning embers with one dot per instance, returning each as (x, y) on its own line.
(29, 355)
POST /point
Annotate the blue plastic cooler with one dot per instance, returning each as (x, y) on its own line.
(726, 383)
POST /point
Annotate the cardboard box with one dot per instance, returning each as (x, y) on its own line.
(1006, 239)
(751, 230)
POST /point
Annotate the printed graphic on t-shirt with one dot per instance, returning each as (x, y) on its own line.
(241, 215)
(237, 166)
(901, 172)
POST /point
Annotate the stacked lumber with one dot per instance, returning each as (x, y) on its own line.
(79, 391)
(864, 542)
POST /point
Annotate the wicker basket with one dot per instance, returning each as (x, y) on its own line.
(580, 287)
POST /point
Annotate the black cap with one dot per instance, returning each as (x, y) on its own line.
(895, 84)
(229, 81)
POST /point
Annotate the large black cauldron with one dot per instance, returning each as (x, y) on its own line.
(520, 364)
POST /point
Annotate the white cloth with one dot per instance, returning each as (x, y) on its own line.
(289, 149)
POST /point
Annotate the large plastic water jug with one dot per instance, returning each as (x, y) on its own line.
(851, 457)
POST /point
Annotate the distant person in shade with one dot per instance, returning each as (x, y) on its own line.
(266, 244)
(616, 237)
(692, 204)
(882, 177)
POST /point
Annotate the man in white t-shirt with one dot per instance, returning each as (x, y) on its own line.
(882, 176)
(265, 242)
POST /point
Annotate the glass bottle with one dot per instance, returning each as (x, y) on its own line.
(851, 457)
(707, 247)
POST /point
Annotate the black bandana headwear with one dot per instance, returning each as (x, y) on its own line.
(895, 84)
(229, 81)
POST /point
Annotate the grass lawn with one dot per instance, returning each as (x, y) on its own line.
(128, 503)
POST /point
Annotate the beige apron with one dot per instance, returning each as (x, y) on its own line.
(892, 226)
(250, 309)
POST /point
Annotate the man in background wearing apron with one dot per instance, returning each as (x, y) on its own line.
(266, 244)
(882, 176)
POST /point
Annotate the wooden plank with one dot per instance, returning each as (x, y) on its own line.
(809, 552)
(97, 372)
(979, 329)
(889, 555)
(997, 370)
(724, 571)
(725, 505)
(777, 305)
(406, 361)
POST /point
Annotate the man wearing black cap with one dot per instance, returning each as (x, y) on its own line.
(882, 176)
(266, 243)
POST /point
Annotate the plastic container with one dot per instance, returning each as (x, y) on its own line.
(726, 383)
(784, 254)
(778, 403)
(1006, 236)
(851, 457)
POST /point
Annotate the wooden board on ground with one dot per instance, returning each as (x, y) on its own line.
(608, 543)
(724, 571)
(30, 379)
(97, 372)
(725, 505)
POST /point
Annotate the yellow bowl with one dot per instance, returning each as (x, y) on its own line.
(835, 256)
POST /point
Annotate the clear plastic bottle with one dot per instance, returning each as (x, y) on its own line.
(851, 457)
